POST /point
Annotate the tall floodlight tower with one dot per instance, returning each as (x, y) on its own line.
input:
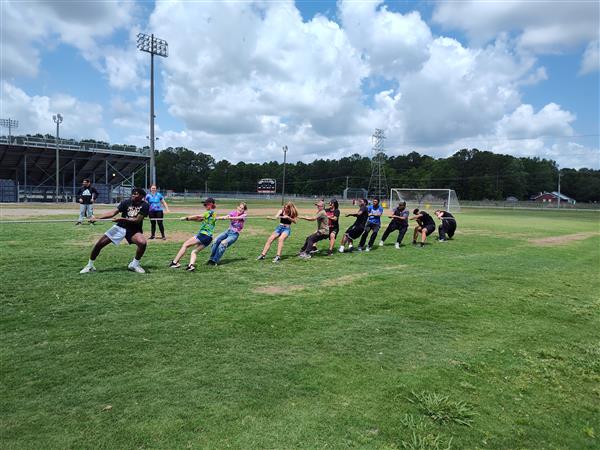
(159, 47)
(57, 118)
(378, 183)
(11, 125)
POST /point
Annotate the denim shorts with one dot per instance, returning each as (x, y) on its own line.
(283, 229)
(204, 239)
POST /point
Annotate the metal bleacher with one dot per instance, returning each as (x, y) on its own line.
(28, 168)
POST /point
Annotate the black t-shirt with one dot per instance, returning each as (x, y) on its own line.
(362, 219)
(86, 194)
(334, 224)
(448, 219)
(446, 214)
(425, 219)
(130, 210)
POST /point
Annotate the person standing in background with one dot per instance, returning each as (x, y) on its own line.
(156, 201)
(86, 196)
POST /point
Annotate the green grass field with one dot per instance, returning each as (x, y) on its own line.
(489, 341)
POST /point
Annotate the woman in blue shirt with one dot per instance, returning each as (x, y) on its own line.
(156, 201)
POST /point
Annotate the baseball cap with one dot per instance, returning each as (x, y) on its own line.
(209, 200)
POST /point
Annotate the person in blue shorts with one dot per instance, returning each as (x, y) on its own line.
(202, 239)
(286, 215)
(156, 201)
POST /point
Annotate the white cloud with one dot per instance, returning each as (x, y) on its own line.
(28, 27)
(390, 42)
(543, 26)
(551, 120)
(591, 58)
(81, 119)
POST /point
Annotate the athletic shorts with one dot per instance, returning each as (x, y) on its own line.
(354, 232)
(430, 229)
(204, 239)
(283, 229)
(335, 230)
(116, 234)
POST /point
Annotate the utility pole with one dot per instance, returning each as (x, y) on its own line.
(285, 149)
(378, 183)
(57, 118)
(159, 47)
(558, 202)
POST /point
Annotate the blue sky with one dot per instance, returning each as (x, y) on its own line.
(244, 78)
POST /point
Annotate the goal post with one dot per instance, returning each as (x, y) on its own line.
(445, 199)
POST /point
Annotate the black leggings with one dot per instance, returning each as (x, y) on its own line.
(447, 228)
(393, 226)
(161, 226)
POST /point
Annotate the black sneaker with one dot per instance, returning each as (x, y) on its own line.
(77, 223)
(210, 262)
(277, 259)
(330, 252)
(174, 265)
(151, 237)
(422, 244)
(191, 267)
(260, 257)
(164, 238)
(414, 242)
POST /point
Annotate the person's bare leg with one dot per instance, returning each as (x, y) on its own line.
(423, 235)
(187, 244)
(331, 241)
(416, 233)
(282, 239)
(140, 241)
(268, 243)
(102, 242)
(194, 255)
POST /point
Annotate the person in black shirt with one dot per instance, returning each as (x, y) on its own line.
(358, 227)
(128, 227)
(399, 222)
(425, 226)
(86, 196)
(333, 213)
(448, 225)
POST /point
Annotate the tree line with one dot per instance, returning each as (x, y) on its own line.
(472, 173)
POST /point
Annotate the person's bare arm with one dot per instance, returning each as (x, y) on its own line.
(107, 215)
(165, 204)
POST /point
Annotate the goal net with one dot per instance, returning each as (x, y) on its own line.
(427, 199)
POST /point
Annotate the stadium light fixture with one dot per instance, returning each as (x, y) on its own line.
(10, 124)
(159, 47)
(57, 118)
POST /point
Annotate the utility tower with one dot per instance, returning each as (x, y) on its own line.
(378, 184)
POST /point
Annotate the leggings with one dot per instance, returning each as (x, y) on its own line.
(312, 240)
(156, 215)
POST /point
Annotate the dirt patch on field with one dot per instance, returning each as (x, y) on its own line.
(561, 240)
(347, 279)
(278, 290)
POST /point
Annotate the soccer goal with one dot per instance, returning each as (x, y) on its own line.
(444, 199)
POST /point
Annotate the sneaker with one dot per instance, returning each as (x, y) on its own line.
(88, 269)
(276, 259)
(305, 255)
(397, 245)
(359, 249)
(210, 262)
(260, 257)
(368, 249)
(414, 242)
(314, 251)
(381, 243)
(174, 265)
(77, 223)
(190, 267)
(341, 249)
(422, 244)
(136, 268)
(164, 238)
(329, 252)
(350, 247)
(151, 237)
(441, 240)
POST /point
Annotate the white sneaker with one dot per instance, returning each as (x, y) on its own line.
(350, 247)
(397, 245)
(341, 249)
(368, 249)
(381, 243)
(136, 268)
(88, 269)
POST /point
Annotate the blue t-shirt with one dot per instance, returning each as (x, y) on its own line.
(375, 219)
(154, 201)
